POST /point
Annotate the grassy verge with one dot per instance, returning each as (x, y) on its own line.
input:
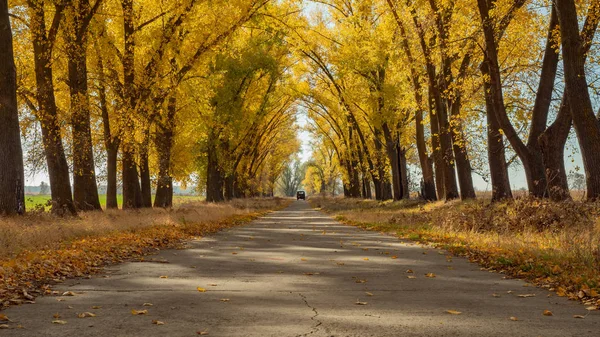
(553, 245)
(39, 250)
(39, 202)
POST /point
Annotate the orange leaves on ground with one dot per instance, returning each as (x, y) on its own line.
(31, 272)
(200, 289)
(139, 312)
(547, 313)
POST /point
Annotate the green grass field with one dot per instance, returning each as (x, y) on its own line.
(34, 201)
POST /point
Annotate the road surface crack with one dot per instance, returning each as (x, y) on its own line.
(314, 318)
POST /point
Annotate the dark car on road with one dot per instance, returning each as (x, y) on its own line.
(300, 195)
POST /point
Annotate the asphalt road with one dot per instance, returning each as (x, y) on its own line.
(297, 272)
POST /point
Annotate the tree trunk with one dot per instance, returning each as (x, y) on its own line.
(85, 188)
(164, 145)
(111, 143)
(403, 171)
(438, 159)
(496, 152)
(390, 146)
(112, 153)
(586, 125)
(132, 195)
(58, 168)
(532, 164)
(463, 164)
(146, 183)
(214, 176)
(552, 142)
(12, 198)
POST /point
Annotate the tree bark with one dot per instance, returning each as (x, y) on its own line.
(58, 168)
(390, 145)
(111, 143)
(215, 179)
(85, 188)
(164, 144)
(12, 198)
(463, 164)
(146, 183)
(532, 164)
(132, 196)
(586, 124)
(496, 153)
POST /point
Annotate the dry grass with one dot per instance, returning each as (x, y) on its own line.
(556, 245)
(40, 249)
(45, 231)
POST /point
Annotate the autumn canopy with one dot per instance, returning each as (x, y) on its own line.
(393, 96)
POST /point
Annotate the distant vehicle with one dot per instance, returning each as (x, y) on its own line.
(300, 195)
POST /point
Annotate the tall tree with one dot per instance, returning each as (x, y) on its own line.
(43, 40)
(12, 197)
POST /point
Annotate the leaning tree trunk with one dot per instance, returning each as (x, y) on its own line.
(58, 168)
(12, 199)
(586, 125)
(496, 152)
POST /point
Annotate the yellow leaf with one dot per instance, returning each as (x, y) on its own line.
(224, 300)
(86, 314)
(360, 303)
(147, 304)
(526, 295)
(4, 326)
(547, 313)
(430, 275)
(139, 312)
(453, 312)
(202, 290)
(158, 322)
(411, 277)
(3, 317)
(578, 316)
(68, 293)
(58, 321)
(96, 307)
(369, 294)
(202, 333)
(394, 257)
(513, 318)
(164, 276)
(366, 259)
(410, 271)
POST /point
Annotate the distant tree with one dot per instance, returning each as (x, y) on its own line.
(577, 181)
(291, 178)
(44, 188)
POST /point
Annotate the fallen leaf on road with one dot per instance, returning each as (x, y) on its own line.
(224, 300)
(311, 274)
(369, 294)
(86, 314)
(303, 259)
(360, 281)
(147, 305)
(366, 259)
(410, 271)
(526, 295)
(578, 316)
(3, 317)
(430, 275)
(213, 284)
(202, 290)
(4, 326)
(158, 322)
(96, 307)
(68, 293)
(202, 333)
(453, 312)
(58, 321)
(164, 276)
(513, 318)
(57, 315)
(340, 263)
(394, 257)
(411, 277)
(233, 253)
(360, 303)
(495, 295)
(139, 312)
(592, 308)
(547, 313)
